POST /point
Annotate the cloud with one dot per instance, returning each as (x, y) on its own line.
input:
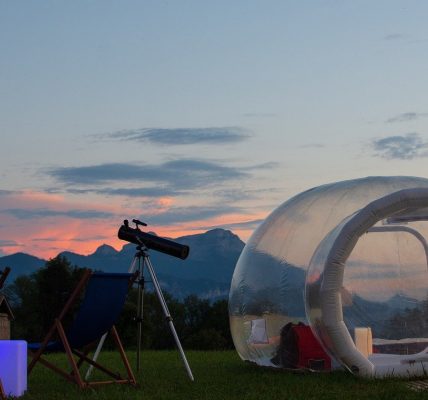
(76, 239)
(394, 36)
(405, 147)
(51, 223)
(182, 136)
(240, 194)
(259, 115)
(253, 224)
(169, 179)
(182, 174)
(312, 146)
(186, 214)
(405, 117)
(27, 213)
(8, 243)
(7, 192)
(267, 165)
(130, 192)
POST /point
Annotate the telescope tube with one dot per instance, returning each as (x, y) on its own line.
(138, 237)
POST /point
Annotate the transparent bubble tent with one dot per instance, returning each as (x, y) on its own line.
(349, 259)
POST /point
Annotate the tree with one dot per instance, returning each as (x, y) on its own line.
(22, 294)
(39, 298)
(55, 282)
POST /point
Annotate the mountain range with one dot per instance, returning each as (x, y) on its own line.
(207, 272)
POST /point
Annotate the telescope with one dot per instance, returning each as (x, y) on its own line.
(145, 241)
(138, 237)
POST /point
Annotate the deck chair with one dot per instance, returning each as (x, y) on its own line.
(3, 276)
(104, 298)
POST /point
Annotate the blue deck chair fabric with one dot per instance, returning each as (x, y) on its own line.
(103, 302)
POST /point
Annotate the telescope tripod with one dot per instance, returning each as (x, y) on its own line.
(142, 260)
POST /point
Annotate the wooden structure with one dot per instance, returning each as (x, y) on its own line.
(6, 315)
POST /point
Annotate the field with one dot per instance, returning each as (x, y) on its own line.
(218, 375)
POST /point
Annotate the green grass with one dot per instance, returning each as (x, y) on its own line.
(218, 375)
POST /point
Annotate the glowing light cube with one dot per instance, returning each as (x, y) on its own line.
(13, 366)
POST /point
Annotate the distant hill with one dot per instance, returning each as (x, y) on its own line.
(207, 272)
(20, 264)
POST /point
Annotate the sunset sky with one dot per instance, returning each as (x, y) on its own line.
(192, 114)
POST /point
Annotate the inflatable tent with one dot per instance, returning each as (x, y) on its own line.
(348, 259)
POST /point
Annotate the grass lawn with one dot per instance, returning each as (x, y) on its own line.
(218, 375)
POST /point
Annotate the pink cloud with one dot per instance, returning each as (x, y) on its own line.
(51, 227)
(45, 224)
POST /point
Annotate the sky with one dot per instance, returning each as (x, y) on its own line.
(192, 115)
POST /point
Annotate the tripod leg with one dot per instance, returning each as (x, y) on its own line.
(180, 349)
(168, 316)
(96, 354)
(140, 309)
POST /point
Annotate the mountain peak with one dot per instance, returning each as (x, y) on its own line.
(223, 236)
(216, 234)
(105, 250)
(221, 233)
(217, 239)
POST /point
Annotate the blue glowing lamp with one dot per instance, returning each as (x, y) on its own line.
(13, 366)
